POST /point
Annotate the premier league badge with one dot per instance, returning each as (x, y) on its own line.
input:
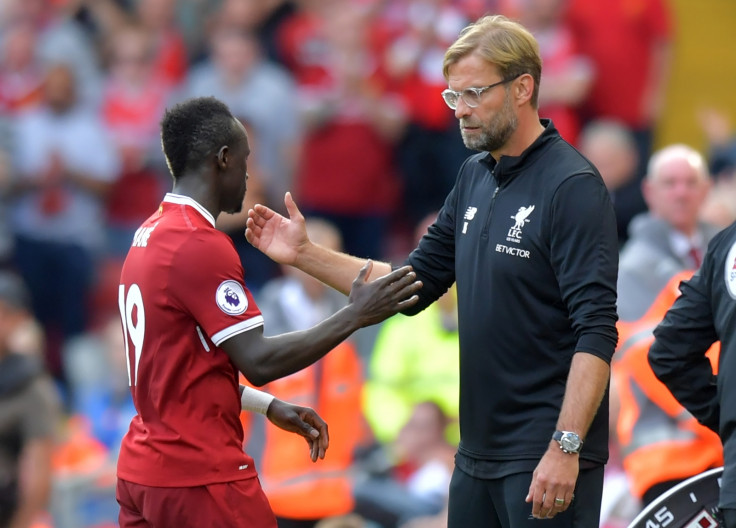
(230, 297)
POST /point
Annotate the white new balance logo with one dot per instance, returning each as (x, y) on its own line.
(469, 215)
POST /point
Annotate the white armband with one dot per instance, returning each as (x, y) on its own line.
(255, 400)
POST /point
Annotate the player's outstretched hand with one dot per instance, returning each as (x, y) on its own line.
(278, 237)
(302, 421)
(385, 296)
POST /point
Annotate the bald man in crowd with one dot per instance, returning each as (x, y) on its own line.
(670, 237)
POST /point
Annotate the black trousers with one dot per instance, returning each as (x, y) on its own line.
(499, 503)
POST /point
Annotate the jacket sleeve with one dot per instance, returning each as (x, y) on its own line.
(584, 256)
(681, 340)
(434, 258)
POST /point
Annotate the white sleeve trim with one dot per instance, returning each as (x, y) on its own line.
(239, 328)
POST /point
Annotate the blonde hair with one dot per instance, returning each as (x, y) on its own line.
(500, 41)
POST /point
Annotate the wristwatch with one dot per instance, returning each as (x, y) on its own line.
(570, 442)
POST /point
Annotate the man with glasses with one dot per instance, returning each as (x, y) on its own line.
(528, 234)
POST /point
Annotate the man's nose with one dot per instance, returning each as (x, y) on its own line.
(462, 109)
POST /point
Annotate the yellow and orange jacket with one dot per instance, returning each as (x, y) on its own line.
(296, 487)
(660, 441)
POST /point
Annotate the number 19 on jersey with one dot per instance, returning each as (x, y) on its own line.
(134, 326)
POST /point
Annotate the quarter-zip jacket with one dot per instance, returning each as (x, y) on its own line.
(531, 242)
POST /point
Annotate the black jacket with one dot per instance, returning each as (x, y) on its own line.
(531, 242)
(702, 315)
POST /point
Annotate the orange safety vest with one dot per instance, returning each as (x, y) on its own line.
(659, 439)
(296, 487)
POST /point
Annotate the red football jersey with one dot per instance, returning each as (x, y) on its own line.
(181, 295)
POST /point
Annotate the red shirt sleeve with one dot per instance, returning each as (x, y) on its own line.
(211, 287)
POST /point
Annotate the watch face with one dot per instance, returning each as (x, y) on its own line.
(570, 442)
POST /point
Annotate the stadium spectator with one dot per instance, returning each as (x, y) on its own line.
(259, 92)
(417, 483)
(21, 73)
(262, 18)
(431, 150)
(661, 443)
(170, 54)
(721, 142)
(720, 206)
(98, 376)
(29, 411)
(568, 72)
(59, 38)
(670, 237)
(64, 164)
(6, 149)
(352, 121)
(618, 506)
(631, 46)
(719, 209)
(302, 494)
(414, 359)
(610, 146)
(133, 103)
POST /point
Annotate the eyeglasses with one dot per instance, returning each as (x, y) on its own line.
(471, 96)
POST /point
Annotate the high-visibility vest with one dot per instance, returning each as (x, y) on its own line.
(660, 441)
(296, 487)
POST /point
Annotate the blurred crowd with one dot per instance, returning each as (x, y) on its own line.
(341, 101)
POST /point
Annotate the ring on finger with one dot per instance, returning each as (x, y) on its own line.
(559, 501)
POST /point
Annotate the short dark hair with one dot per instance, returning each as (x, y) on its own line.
(194, 129)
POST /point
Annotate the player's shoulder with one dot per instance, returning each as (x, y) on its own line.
(206, 245)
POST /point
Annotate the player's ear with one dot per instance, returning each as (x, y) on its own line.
(222, 157)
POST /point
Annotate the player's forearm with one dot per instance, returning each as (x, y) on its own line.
(586, 385)
(337, 270)
(288, 353)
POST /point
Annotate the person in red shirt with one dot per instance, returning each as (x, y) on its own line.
(630, 43)
(190, 324)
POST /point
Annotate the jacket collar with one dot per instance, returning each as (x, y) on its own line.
(508, 166)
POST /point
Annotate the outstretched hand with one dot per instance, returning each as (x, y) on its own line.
(278, 237)
(302, 421)
(380, 299)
